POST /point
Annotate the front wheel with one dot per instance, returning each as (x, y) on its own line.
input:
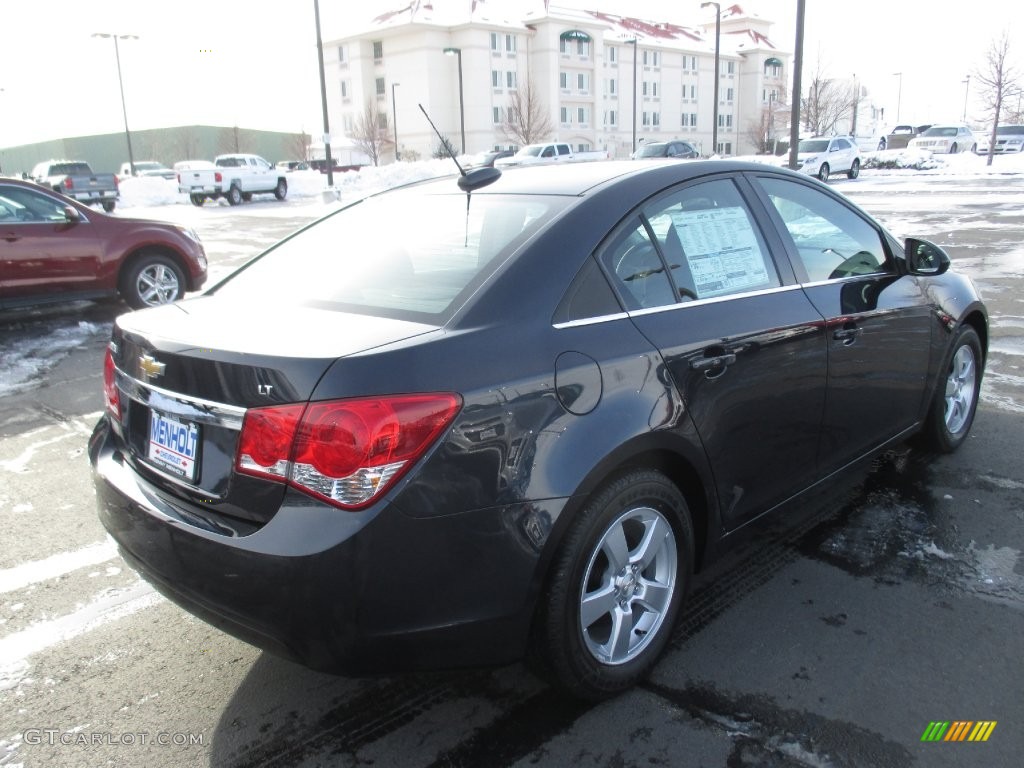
(152, 280)
(854, 171)
(823, 172)
(281, 190)
(234, 196)
(615, 587)
(952, 410)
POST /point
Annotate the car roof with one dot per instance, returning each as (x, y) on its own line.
(576, 179)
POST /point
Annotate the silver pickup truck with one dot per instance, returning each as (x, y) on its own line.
(235, 177)
(75, 179)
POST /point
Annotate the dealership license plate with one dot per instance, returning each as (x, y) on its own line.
(173, 445)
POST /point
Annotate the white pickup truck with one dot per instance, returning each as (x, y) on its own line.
(550, 152)
(234, 177)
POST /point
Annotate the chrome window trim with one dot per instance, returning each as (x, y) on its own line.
(715, 300)
(591, 320)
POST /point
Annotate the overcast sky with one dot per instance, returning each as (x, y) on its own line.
(253, 62)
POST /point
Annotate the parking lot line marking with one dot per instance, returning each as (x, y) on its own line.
(56, 565)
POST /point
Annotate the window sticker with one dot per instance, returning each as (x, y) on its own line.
(722, 250)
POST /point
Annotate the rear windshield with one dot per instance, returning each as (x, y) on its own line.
(403, 254)
(70, 169)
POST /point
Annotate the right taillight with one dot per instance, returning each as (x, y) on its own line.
(346, 452)
(111, 395)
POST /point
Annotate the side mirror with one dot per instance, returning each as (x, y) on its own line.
(71, 214)
(925, 258)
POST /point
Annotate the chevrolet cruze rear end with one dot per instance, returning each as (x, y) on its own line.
(450, 423)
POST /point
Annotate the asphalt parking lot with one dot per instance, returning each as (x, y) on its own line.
(834, 637)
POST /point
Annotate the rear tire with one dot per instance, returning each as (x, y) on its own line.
(854, 171)
(197, 200)
(108, 205)
(281, 190)
(234, 196)
(953, 149)
(823, 172)
(955, 402)
(615, 587)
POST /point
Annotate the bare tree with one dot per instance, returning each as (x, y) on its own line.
(999, 79)
(299, 146)
(526, 119)
(231, 140)
(187, 142)
(827, 102)
(370, 132)
(771, 124)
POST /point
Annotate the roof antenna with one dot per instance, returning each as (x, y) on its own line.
(474, 179)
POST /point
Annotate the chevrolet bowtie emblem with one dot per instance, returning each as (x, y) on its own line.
(151, 367)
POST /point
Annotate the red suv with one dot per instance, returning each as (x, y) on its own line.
(55, 249)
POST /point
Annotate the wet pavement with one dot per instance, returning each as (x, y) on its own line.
(830, 638)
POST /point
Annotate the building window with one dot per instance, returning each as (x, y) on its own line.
(510, 80)
(582, 83)
(583, 48)
(656, 119)
(646, 120)
(380, 87)
(730, 67)
(690, 62)
(347, 123)
(382, 120)
(725, 121)
(610, 118)
(495, 79)
(611, 87)
(613, 54)
(650, 58)
(510, 43)
(725, 148)
(496, 115)
(378, 50)
(728, 95)
(342, 56)
(563, 81)
(563, 46)
(564, 115)
(693, 119)
(495, 45)
(581, 116)
(650, 88)
(771, 69)
(344, 90)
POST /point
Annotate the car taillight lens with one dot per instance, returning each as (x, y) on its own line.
(346, 452)
(218, 177)
(68, 183)
(111, 395)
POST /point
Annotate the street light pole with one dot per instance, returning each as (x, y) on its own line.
(323, 97)
(899, 94)
(462, 108)
(394, 116)
(718, 48)
(120, 83)
(967, 89)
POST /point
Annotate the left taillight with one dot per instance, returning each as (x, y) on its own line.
(346, 452)
(111, 395)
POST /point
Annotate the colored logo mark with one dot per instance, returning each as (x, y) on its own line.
(959, 730)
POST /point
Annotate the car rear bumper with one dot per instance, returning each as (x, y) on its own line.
(337, 591)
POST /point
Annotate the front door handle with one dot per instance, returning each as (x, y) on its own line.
(718, 360)
(847, 334)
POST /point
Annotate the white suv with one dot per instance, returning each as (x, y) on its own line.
(945, 139)
(825, 155)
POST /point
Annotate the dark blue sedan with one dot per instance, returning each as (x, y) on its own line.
(453, 423)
